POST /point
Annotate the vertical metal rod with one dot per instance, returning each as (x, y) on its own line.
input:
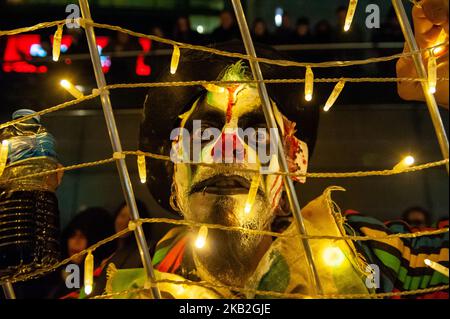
(8, 290)
(117, 147)
(271, 122)
(422, 73)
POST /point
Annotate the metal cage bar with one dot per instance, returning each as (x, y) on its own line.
(117, 148)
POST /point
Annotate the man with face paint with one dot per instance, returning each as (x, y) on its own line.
(218, 194)
(225, 128)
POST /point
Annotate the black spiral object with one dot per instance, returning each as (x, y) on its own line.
(29, 231)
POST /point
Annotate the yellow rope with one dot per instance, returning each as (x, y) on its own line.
(274, 234)
(97, 92)
(21, 276)
(329, 64)
(267, 81)
(35, 27)
(57, 170)
(388, 172)
(276, 293)
(50, 109)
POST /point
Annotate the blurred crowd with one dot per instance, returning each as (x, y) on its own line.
(301, 31)
(93, 224)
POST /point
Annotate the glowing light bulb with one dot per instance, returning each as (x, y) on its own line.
(309, 84)
(409, 160)
(432, 74)
(3, 155)
(214, 88)
(175, 59)
(142, 169)
(438, 267)
(88, 273)
(334, 95)
(404, 163)
(71, 89)
(201, 237)
(442, 38)
(350, 14)
(254, 186)
(333, 256)
(57, 42)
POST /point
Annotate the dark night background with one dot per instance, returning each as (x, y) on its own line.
(369, 128)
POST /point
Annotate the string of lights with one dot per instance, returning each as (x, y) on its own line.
(96, 92)
(180, 45)
(276, 293)
(24, 276)
(387, 172)
(402, 167)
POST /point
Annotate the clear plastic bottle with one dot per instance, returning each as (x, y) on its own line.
(29, 214)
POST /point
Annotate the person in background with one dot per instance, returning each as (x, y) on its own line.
(285, 33)
(159, 32)
(227, 30)
(260, 32)
(86, 228)
(352, 35)
(127, 254)
(303, 31)
(417, 217)
(183, 31)
(323, 32)
(430, 22)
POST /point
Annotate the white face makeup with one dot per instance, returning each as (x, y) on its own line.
(217, 194)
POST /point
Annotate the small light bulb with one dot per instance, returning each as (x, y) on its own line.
(350, 14)
(3, 155)
(409, 160)
(309, 84)
(201, 237)
(142, 169)
(442, 38)
(175, 59)
(334, 95)
(71, 89)
(88, 273)
(404, 163)
(437, 267)
(254, 186)
(57, 38)
(333, 256)
(432, 74)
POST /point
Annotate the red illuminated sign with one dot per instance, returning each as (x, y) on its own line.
(21, 49)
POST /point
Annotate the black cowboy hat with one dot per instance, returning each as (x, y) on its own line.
(163, 105)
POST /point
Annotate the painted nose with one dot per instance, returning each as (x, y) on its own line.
(228, 149)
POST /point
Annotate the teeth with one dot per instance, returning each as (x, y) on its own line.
(226, 183)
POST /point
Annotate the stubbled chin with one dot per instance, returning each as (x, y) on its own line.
(216, 209)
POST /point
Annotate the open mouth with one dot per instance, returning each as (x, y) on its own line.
(222, 185)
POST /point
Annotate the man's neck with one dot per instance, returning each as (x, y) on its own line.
(208, 267)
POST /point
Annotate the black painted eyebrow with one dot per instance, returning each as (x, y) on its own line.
(206, 113)
(255, 117)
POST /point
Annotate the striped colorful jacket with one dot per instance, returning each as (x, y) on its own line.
(401, 261)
